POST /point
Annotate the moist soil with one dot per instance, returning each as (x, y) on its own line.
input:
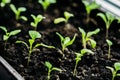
(91, 67)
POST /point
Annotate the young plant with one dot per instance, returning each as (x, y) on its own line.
(46, 3)
(89, 7)
(66, 41)
(34, 35)
(87, 37)
(109, 45)
(18, 11)
(108, 19)
(37, 19)
(50, 69)
(79, 57)
(61, 19)
(8, 34)
(4, 2)
(115, 70)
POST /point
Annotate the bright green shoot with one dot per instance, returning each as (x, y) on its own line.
(66, 41)
(115, 70)
(37, 19)
(109, 45)
(79, 57)
(89, 7)
(18, 11)
(4, 2)
(61, 19)
(50, 69)
(8, 34)
(34, 35)
(87, 37)
(46, 3)
(108, 19)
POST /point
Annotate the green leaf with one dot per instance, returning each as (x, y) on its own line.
(94, 6)
(61, 37)
(14, 32)
(5, 37)
(46, 46)
(118, 74)
(57, 69)
(24, 18)
(83, 51)
(103, 16)
(109, 42)
(52, 1)
(117, 66)
(34, 34)
(59, 20)
(66, 40)
(13, 8)
(83, 32)
(93, 43)
(23, 43)
(3, 28)
(112, 69)
(48, 64)
(22, 9)
(67, 15)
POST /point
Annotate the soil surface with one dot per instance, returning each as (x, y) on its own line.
(91, 67)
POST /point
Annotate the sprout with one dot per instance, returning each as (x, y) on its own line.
(108, 19)
(50, 69)
(34, 35)
(79, 57)
(4, 2)
(66, 41)
(109, 44)
(8, 34)
(115, 70)
(37, 19)
(46, 3)
(61, 19)
(87, 37)
(18, 11)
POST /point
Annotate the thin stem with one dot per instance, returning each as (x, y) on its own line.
(75, 71)
(109, 53)
(106, 33)
(48, 77)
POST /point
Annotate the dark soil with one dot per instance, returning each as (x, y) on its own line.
(91, 67)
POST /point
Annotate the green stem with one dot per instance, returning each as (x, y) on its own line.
(48, 77)
(109, 53)
(75, 71)
(106, 33)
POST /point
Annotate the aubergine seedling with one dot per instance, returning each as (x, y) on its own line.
(8, 34)
(50, 69)
(66, 41)
(37, 19)
(109, 47)
(4, 2)
(115, 70)
(79, 57)
(87, 37)
(18, 11)
(46, 3)
(34, 35)
(108, 19)
(67, 16)
(89, 7)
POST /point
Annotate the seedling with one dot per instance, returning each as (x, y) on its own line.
(89, 7)
(108, 19)
(115, 70)
(66, 41)
(87, 37)
(50, 69)
(34, 35)
(37, 19)
(8, 34)
(62, 19)
(4, 2)
(18, 11)
(79, 57)
(46, 3)
(109, 45)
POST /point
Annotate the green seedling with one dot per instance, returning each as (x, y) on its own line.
(66, 41)
(89, 7)
(46, 3)
(50, 69)
(109, 45)
(34, 35)
(8, 34)
(37, 19)
(87, 37)
(4, 2)
(18, 11)
(62, 19)
(115, 70)
(79, 57)
(108, 19)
